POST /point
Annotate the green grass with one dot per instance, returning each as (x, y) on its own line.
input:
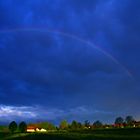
(104, 134)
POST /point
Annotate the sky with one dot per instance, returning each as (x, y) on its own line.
(69, 59)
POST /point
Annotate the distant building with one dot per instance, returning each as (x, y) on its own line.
(41, 130)
(31, 129)
(136, 124)
(35, 129)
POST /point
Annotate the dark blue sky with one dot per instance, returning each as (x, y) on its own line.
(69, 59)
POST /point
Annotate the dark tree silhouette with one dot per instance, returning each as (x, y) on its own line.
(119, 121)
(22, 127)
(79, 125)
(97, 124)
(74, 125)
(87, 124)
(129, 120)
(13, 126)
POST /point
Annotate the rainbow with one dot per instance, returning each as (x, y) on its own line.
(72, 37)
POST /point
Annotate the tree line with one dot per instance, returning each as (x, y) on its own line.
(74, 125)
(22, 127)
(128, 121)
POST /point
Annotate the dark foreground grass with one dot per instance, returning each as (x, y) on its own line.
(112, 134)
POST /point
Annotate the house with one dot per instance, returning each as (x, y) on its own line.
(41, 130)
(136, 124)
(35, 129)
(31, 129)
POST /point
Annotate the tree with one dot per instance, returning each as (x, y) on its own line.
(63, 125)
(74, 125)
(87, 124)
(129, 120)
(79, 125)
(119, 121)
(47, 126)
(22, 127)
(13, 126)
(97, 124)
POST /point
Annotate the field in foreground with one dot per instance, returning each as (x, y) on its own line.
(114, 134)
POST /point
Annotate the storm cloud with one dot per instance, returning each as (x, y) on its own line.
(42, 63)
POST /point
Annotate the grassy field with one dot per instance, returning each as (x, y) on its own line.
(111, 134)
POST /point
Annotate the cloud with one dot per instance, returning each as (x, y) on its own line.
(33, 66)
(9, 113)
(48, 69)
(36, 113)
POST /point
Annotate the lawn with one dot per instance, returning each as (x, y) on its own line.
(112, 134)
